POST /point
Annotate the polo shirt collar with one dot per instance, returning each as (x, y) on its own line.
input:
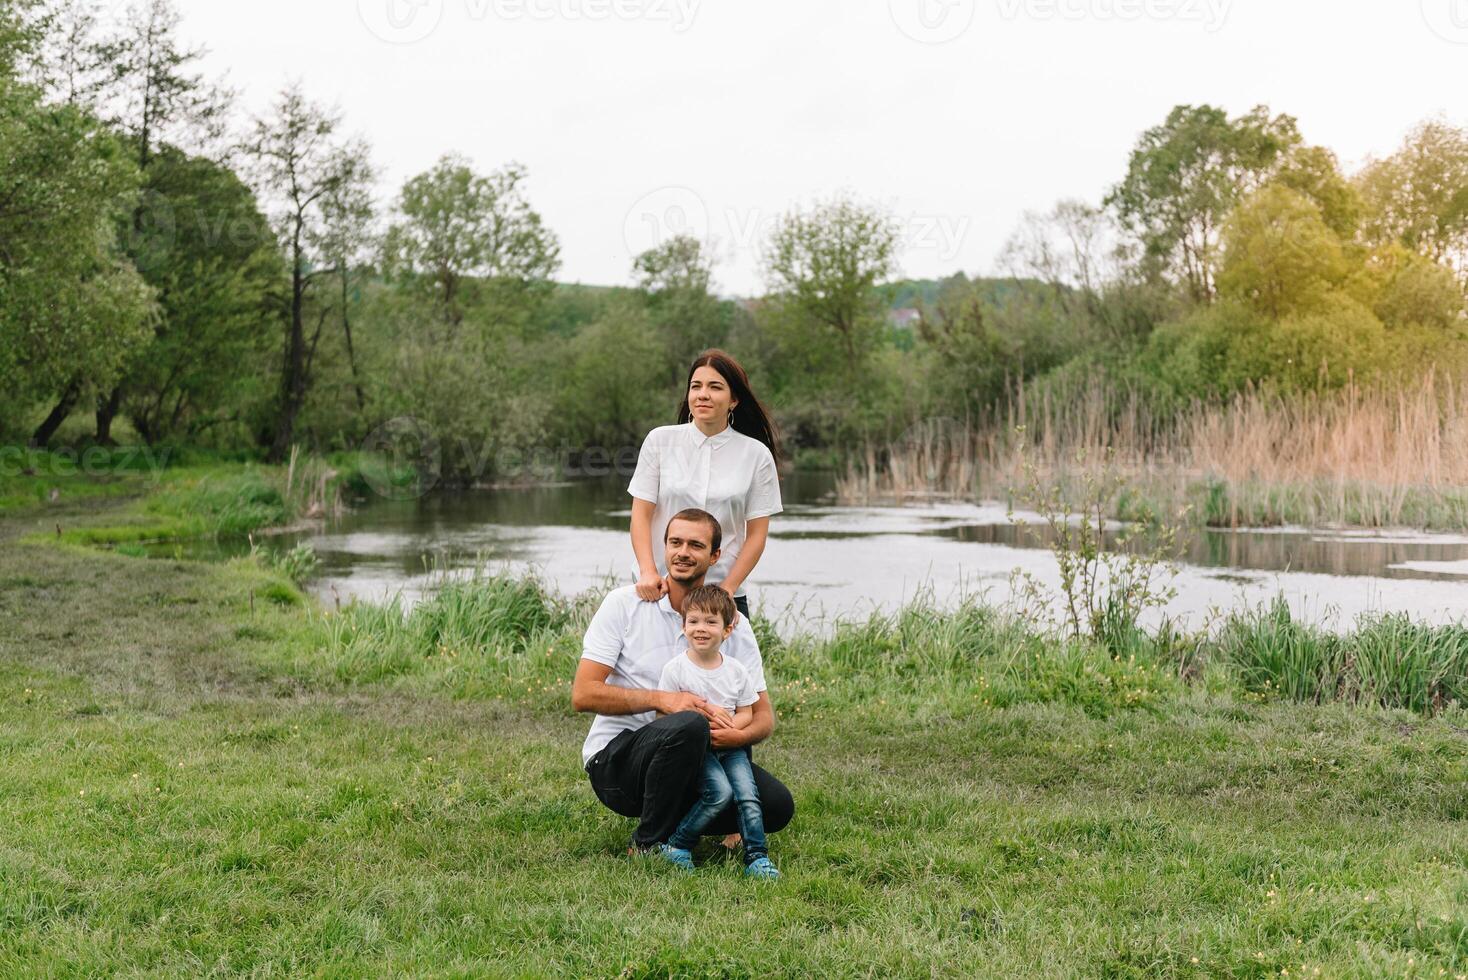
(716, 440)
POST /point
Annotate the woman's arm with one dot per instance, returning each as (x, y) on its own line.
(650, 585)
(756, 533)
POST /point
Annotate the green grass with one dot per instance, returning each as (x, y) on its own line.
(170, 494)
(1217, 502)
(206, 775)
(1387, 660)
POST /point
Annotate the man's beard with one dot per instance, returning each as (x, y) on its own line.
(690, 578)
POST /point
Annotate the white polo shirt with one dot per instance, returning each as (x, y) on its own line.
(637, 639)
(730, 475)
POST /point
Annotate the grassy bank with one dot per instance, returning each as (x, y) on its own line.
(206, 774)
(173, 495)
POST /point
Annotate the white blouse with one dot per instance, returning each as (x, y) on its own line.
(729, 475)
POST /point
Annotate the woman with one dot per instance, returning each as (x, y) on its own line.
(719, 457)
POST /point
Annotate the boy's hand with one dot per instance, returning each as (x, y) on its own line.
(675, 701)
(727, 738)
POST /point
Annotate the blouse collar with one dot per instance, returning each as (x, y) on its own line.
(717, 440)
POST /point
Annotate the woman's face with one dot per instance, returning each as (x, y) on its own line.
(709, 397)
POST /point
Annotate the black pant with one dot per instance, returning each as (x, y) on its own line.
(653, 774)
(741, 602)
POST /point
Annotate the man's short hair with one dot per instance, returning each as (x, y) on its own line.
(698, 517)
(710, 599)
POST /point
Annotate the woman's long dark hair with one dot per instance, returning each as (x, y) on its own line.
(750, 417)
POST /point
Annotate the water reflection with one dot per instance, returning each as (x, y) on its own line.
(846, 560)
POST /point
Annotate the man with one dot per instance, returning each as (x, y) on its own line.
(642, 765)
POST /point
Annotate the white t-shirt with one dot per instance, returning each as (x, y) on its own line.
(637, 639)
(728, 685)
(729, 475)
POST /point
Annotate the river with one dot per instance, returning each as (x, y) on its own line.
(827, 561)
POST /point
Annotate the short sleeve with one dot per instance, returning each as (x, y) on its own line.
(747, 694)
(603, 640)
(645, 479)
(670, 681)
(745, 648)
(763, 498)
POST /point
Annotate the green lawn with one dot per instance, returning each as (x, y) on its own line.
(198, 780)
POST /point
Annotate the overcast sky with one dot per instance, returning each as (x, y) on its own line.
(636, 118)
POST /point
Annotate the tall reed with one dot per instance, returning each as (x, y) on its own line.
(1372, 456)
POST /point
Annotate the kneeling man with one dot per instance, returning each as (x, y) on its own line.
(645, 750)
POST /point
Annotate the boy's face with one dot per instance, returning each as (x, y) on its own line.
(705, 630)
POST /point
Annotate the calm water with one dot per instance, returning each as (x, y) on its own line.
(826, 561)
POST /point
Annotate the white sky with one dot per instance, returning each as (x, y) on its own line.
(636, 116)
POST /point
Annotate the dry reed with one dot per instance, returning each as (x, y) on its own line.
(1357, 456)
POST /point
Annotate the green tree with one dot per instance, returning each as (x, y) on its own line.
(346, 240)
(301, 164)
(1409, 290)
(204, 245)
(1314, 172)
(140, 79)
(1279, 256)
(822, 265)
(675, 279)
(71, 306)
(615, 383)
(1418, 196)
(462, 236)
(1183, 179)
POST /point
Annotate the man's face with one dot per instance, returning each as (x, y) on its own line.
(689, 551)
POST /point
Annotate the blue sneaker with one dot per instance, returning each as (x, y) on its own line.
(761, 867)
(676, 856)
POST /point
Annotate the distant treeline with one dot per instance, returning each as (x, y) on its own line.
(174, 274)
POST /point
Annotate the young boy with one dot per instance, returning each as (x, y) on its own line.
(708, 619)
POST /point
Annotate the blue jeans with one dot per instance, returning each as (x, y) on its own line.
(728, 777)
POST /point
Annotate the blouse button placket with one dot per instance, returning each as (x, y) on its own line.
(706, 459)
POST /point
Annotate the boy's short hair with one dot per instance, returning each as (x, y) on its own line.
(711, 599)
(698, 516)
